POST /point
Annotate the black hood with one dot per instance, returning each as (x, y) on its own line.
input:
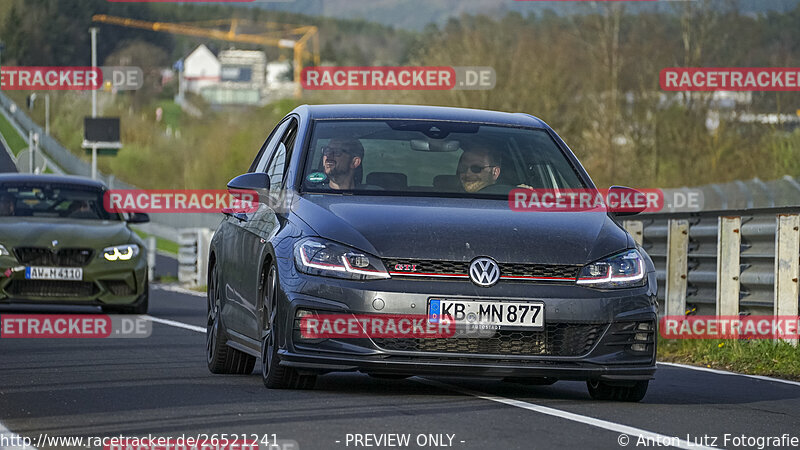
(459, 229)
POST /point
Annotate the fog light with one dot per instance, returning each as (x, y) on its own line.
(640, 337)
(643, 326)
(639, 347)
(297, 332)
(303, 313)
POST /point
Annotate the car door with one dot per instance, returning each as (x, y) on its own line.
(238, 254)
(261, 227)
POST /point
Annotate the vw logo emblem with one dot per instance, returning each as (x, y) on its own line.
(484, 272)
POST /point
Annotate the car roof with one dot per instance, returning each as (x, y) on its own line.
(383, 111)
(27, 178)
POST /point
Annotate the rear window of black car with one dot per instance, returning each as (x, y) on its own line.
(433, 157)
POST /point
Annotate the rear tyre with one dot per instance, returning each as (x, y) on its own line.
(221, 358)
(273, 374)
(601, 390)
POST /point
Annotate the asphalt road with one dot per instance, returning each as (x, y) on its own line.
(6, 163)
(161, 386)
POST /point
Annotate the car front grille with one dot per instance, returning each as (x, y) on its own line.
(51, 288)
(118, 287)
(557, 339)
(64, 257)
(457, 269)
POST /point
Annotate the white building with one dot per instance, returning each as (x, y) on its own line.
(200, 69)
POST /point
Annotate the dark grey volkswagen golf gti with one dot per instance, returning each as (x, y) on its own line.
(403, 211)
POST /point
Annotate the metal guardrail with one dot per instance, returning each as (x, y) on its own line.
(193, 255)
(166, 224)
(725, 262)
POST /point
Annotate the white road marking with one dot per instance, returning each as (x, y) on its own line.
(178, 289)
(173, 323)
(725, 372)
(635, 433)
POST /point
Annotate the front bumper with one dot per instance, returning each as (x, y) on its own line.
(103, 283)
(589, 334)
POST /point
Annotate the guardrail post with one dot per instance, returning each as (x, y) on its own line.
(636, 229)
(729, 239)
(187, 256)
(193, 255)
(787, 267)
(677, 267)
(151, 257)
(203, 247)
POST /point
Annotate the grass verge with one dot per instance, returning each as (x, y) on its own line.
(753, 357)
(165, 245)
(11, 136)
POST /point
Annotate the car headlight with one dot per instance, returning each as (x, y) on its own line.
(622, 270)
(316, 256)
(3, 251)
(121, 252)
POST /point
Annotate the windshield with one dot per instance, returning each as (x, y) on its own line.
(416, 157)
(49, 201)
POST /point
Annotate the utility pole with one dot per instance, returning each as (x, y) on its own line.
(93, 32)
(2, 47)
(47, 114)
(30, 151)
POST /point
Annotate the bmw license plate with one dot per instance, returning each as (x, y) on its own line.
(54, 273)
(488, 314)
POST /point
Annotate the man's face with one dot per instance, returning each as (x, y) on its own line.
(476, 160)
(336, 162)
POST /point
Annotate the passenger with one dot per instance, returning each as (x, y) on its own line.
(479, 165)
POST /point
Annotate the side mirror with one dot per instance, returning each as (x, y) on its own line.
(138, 218)
(254, 186)
(257, 181)
(625, 201)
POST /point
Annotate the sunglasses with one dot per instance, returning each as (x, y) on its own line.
(473, 168)
(333, 152)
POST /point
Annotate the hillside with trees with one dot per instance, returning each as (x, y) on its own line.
(592, 76)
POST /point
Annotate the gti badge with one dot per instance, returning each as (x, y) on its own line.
(484, 272)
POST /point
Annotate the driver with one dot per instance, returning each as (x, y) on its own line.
(341, 158)
(479, 165)
(7, 204)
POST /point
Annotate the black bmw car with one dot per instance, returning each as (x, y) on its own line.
(389, 210)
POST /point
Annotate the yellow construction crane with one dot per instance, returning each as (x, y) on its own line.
(269, 34)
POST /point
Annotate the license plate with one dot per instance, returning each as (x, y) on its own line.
(488, 313)
(54, 273)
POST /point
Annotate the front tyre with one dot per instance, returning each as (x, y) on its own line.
(601, 390)
(273, 374)
(221, 358)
